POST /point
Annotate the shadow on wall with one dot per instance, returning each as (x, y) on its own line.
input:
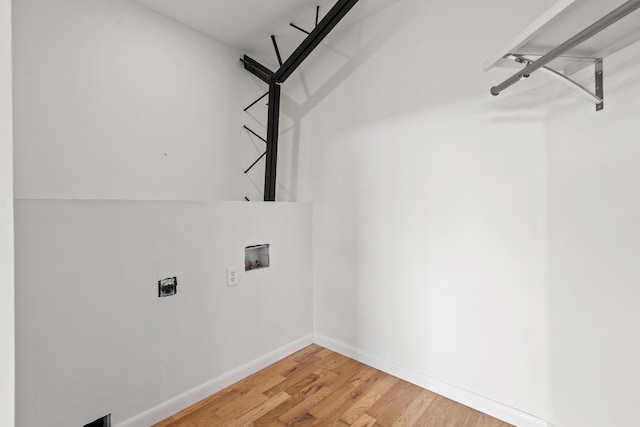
(392, 15)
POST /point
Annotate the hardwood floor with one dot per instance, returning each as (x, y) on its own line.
(318, 387)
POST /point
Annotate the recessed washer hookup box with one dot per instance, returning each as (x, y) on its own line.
(256, 257)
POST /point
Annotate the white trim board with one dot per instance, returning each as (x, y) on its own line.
(190, 397)
(465, 397)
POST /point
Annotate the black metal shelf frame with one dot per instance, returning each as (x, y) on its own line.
(277, 78)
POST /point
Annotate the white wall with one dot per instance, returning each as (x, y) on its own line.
(483, 247)
(479, 246)
(113, 101)
(594, 176)
(7, 359)
(94, 338)
(430, 203)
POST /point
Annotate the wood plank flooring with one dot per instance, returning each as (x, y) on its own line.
(317, 387)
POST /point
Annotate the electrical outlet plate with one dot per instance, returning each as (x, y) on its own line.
(232, 276)
(167, 287)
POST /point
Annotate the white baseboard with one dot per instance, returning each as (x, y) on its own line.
(188, 398)
(473, 400)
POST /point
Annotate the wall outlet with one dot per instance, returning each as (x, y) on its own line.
(167, 287)
(232, 276)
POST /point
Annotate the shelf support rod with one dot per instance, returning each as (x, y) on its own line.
(300, 29)
(275, 46)
(254, 133)
(574, 41)
(255, 163)
(256, 101)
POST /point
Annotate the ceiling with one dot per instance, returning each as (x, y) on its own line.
(238, 23)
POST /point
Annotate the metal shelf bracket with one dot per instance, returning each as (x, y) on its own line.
(599, 84)
(596, 97)
(541, 63)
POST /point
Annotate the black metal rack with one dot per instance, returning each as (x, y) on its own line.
(276, 79)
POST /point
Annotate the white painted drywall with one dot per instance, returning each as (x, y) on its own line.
(114, 101)
(485, 243)
(594, 268)
(7, 358)
(94, 338)
(429, 200)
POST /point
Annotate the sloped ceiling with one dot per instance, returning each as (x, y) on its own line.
(238, 23)
(247, 25)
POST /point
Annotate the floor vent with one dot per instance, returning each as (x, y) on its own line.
(101, 422)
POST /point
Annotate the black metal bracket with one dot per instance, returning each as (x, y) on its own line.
(274, 80)
(257, 69)
(335, 15)
(273, 125)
